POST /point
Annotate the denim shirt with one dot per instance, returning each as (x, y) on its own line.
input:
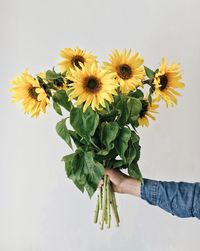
(178, 198)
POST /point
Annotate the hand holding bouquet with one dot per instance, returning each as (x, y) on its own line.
(104, 105)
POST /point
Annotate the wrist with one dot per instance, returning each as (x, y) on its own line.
(131, 186)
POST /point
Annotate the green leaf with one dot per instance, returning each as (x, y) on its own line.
(57, 108)
(63, 132)
(136, 94)
(134, 124)
(134, 137)
(129, 109)
(137, 147)
(67, 158)
(116, 163)
(151, 91)
(108, 134)
(84, 123)
(69, 169)
(103, 152)
(61, 98)
(121, 142)
(134, 171)
(108, 116)
(51, 75)
(123, 111)
(150, 73)
(130, 153)
(76, 138)
(95, 174)
(134, 107)
(84, 171)
(105, 155)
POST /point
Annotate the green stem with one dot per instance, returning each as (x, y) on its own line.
(100, 198)
(108, 203)
(114, 206)
(104, 202)
(96, 213)
(115, 203)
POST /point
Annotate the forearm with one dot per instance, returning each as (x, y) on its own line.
(178, 198)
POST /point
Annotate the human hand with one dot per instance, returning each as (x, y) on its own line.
(123, 183)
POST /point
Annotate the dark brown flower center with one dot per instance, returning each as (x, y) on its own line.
(163, 82)
(76, 60)
(33, 94)
(144, 110)
(124, 71)
(92, 84)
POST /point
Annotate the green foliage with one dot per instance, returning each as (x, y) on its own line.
(84, 170)
(136, 94)
(150, 73)
(108, 115)
(151, 91)
(129, 109)
(106, 156)
(134, 171)
(57, 108)
(63, 132)
(133, 168)
(60, 97)
(108, 134)
(76, 138)
(52, 75)
(121, 142)
(84, 123)
(131, 154)
(134, 108)
(101, 138)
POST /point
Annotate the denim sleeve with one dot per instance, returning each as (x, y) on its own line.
(178, 198)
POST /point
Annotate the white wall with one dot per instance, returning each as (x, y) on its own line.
(40, 210)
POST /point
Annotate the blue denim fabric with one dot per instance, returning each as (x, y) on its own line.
(178, 198)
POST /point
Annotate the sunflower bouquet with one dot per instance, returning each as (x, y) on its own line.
(104, 105)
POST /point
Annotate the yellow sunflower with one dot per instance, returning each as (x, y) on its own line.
(74, 58)
(166, 80)
(27, 90)
(128, 69)
(92, 86)
(146, 111)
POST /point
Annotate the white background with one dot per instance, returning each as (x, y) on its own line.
(40, 209)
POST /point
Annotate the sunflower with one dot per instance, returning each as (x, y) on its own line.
(27, 90)
(92, 86)
(74, 58)
(146, 111)
(166, 80)
(127, 68)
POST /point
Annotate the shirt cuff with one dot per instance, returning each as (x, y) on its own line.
(149, 191)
